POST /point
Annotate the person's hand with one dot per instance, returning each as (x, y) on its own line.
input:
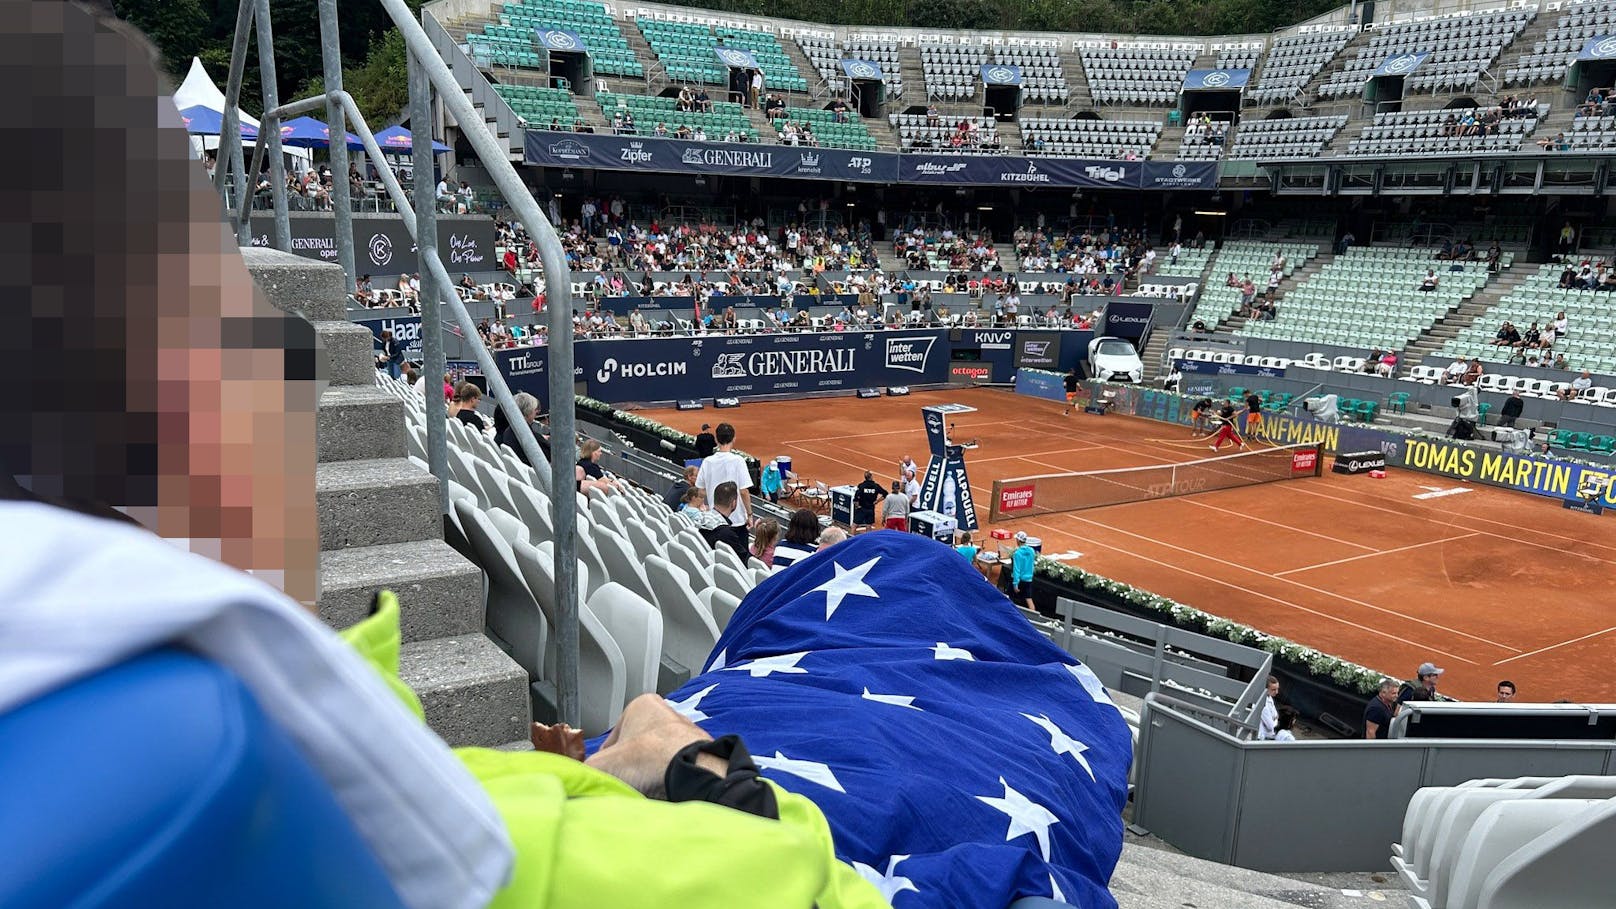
(558, 739)
(647, 736)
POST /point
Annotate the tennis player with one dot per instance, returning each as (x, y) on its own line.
(1226, 428)
(1071, 390)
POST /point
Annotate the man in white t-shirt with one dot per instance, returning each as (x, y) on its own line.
(911, 489)
(725, 465)
(1267, 725)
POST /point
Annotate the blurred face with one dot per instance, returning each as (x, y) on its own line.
(1506, 693)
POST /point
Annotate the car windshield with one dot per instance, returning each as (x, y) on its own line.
(1115, 348)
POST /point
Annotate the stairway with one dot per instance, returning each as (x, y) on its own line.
(656, 77)
(1077, 82)
(381, 525)
(1154, 352)
(914, 78)
(1151, 877)
(1448, 327)
(1535, 31)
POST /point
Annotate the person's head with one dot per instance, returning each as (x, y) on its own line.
(1428, 673)
(1273, 686)
(1506, 691)
(725, 434)
(897, 486)
(706, 426)
(528, 405)
(1021, 538)
(695, 497)
(387, 335)
(868, 476)
(589, 450)
(965, 538)
(803, 528)
(1287, 719)
(765, 534)
(831, 537)
(691, 472)
(467, 394)
(1387, 692)
(725, 495)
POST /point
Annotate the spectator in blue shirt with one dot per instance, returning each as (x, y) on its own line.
(1021, 562)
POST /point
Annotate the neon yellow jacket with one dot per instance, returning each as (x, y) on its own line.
(586, 839)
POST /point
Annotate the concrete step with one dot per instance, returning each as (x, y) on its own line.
(1207, 885)
(315, 290)
(356, 422)
(375, 501)
(473, 693)
(350, 357)
(439, 591)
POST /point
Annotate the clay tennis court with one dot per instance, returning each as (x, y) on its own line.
(1489, 584)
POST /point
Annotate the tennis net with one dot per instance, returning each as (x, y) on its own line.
(1057, 492)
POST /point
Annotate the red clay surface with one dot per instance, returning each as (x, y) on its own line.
(1489, 584)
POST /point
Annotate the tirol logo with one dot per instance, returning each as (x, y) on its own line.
(1016, 498)
(1179, 171)
(1108, 174)
(559, 41)
(909, 354)
(610, 367)
(1604, 47)
(862, 70)
(523, 365)
(1000, 75)
(733, 57)
(1033, 175)
(1305, 461)
(381, 249)
(635, 153)
(1215, 79)
(569, 150)
(1396, 66)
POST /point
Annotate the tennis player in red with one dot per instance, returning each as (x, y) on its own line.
(1226, 428)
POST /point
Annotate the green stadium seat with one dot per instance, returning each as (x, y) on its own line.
(1578, 441)
(1397, 401)
(1602, 444)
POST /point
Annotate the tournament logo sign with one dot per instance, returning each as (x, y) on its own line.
(1016, 498)
(736, 58)
(381, 249)
(862, 70)
(1605, 47)
(1305, 461)
(1215, 80)
(559, 40)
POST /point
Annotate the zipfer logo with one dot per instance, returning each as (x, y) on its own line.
(909, 354)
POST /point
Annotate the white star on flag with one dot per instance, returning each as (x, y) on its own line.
(1026, 816)
(897, 700)
(1063, 743)
(718, 661)
(1055, 890)
(811, 771)
(762, 667)
(944, 652)
(690, 707)
(847, 583)
(890, 884)
(1091, 683)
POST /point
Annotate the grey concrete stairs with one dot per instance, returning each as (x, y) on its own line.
(1448, 327)
(380, 525)
(1153, 878)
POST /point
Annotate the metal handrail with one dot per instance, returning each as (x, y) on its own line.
(434, 73)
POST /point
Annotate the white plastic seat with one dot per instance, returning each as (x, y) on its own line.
(623, 564)
(688, 630)
(511, 609)
(734, 580)
(533, 507)
(494, 483)
(1504, 829)
(721, 604)
(693, 557)
(636, 626)
(602, 671)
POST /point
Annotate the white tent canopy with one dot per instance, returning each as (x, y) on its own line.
(198, 88)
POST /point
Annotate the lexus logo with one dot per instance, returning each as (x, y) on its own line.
(381, 249)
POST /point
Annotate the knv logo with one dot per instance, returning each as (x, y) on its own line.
(908, 354)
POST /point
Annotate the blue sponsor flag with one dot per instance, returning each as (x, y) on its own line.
(1216, 79)
(862, 69)
(1599, 47)
(961, 759)
(1400, 64)
(1001, 74)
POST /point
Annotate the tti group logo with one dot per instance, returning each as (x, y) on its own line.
(381, 249)
(524, 365)
(560, 41)
(862, 70)
(909, 354)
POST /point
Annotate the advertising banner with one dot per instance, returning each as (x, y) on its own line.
(559, 39)
(382, 246)
(1216, 79)
(527, 369)
(1208, 368)
(970, 371)
(862, 70)
(1038, 349)
(406, 331)
(1172, 175)
(1126, 320)
(1040, 384)
(1400, 64)
(1599, 47)
(1525, 473)
(1001, 74)
(735, 57)
(1006, 170)
(592, 151)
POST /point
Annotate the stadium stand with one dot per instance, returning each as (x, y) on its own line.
(1043, 79)
(1461, 47)
(607, 47)
(1135, 75)
(503, 45)
(1551, 57)
(726, 116)
(945, 132)
(1189, 263)
(1238, 57)
(541, 107)
(828, 132)
(684, 49)
(779, 73)
(878, 51)
(1089, 138)
(1289, 137)
(1587, 134)
(1371, 297)
(1590, 344)
(1243, 257)
(952, 72)
(1447, 132)
(1293, 61)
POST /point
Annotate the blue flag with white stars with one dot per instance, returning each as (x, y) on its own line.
(961, 758)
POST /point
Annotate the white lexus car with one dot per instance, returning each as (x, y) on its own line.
(1115, 360)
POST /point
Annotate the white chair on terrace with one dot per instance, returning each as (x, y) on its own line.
(735, 580)
(721, 604)
(510, 606)
(636, 627)
(688, 630)
(602, 670)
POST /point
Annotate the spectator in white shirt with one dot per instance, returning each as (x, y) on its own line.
(911, 489)
(1284, 724)
(1267, 725)
(1578, 385)
(725, 465)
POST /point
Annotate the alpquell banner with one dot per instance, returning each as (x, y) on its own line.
(593, 151)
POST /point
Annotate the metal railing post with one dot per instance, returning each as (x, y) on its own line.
(331, 57)
(272, 141)
(433, 363)
(230, 132)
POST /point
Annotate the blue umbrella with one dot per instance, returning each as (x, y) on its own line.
(205, 121)
(307, 132)
(396, 140)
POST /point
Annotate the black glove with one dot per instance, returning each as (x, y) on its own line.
(740, 788)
